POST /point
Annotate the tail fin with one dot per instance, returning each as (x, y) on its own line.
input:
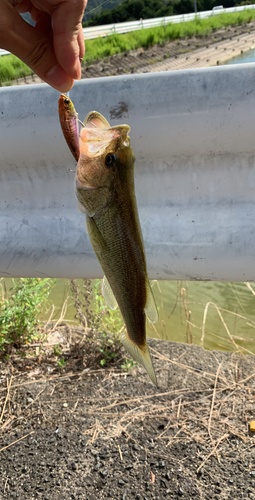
(142, 357)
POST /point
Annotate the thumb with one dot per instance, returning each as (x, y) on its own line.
(33, 47)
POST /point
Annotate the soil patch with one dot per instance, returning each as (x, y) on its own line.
(105, 433)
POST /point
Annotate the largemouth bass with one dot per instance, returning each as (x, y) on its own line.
(104, 186)
(69, 124)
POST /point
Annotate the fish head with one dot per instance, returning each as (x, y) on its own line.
(105, 157)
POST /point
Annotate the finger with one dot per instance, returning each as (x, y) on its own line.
(43, 23)
(33, 47)
(23, 6)
(67, 35)
(81, 43)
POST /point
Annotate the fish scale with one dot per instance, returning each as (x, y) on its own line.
(124, 272)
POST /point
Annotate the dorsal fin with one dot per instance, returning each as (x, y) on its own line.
(108, 294)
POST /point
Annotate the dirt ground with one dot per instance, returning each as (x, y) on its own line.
(86, 433)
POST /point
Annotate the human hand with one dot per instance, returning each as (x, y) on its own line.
(54, 47)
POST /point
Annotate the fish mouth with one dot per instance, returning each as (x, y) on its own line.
(97, 134)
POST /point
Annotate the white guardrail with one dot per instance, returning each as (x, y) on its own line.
(109, 29)
(192, 133)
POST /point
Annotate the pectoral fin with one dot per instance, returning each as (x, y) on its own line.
(81, 207)
(150, 307)
(82, 204)
(98, 242)
(141, 356)
(108, 294)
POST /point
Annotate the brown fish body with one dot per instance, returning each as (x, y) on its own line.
(105, 191)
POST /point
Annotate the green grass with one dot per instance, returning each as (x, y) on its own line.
(12, 68)
(114, 44)
(19, 312)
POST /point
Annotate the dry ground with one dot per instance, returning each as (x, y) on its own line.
(90, 433)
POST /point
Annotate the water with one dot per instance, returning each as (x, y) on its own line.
(226, 310)
(247, 57)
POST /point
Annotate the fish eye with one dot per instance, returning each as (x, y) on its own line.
(67, 101)
(110, 160)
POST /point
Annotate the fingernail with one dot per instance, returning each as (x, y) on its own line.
(57, 78)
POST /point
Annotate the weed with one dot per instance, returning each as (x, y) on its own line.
(128, 364)
(12, 68)
(107, 348)
(61, 363)
(19, 322)
(57, 350)
(102, 325)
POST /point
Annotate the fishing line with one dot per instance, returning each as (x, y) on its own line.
(81, 123)
(95, 8)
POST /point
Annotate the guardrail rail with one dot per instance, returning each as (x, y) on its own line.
(192, 133)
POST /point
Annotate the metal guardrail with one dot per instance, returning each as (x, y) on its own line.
(192, 136)
(109, 29)
(98, 31)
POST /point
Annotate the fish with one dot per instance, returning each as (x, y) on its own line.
(69, 124)
(105, 190)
